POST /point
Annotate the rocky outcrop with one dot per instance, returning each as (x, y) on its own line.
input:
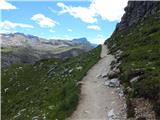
(138, 11)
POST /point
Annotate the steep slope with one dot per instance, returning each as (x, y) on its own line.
(136, 45)
(49, 89)
(21, 48)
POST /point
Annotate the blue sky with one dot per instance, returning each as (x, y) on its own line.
(62, 19)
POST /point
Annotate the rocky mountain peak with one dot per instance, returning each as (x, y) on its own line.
(137, 11)
(83, 39)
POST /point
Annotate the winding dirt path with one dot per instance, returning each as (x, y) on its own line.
(97, 101)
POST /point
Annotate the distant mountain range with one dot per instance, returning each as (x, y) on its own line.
(21, 48)
(20, 39)
(84, 40)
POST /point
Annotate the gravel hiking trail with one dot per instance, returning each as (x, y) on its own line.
(97, 101)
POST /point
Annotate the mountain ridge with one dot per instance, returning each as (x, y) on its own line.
(21, 48)
(38, 40)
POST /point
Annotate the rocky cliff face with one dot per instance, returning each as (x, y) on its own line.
(138, 11)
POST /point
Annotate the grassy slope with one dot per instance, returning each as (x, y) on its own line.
(46, 89)
(140, 44)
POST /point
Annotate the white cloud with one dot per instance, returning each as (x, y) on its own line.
(69, 30)
(43, 21)
(6, 5)
(94, 27)
(7, 31)
(7, 25)
(52, 31)
(100, 39)
(85, 14)
(110, 9)
(107, 9)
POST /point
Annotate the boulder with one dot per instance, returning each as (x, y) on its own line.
(112, 83)
(6, 89)
(106, 82)
(135, 79)
(120, 93)
(80, 83)
(79, 67)
(104, 74)
(70, 71)
(111, 114)
(113, 73)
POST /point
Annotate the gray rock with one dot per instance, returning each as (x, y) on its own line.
(80, 83)
(119, 52)
(111, 114)
(135, 79)
(112, 83)
(79, 67)
(104, 74)
(70, 71)
(51, 107)
(120, 93)
(99, 76)
(113, 73)
(35, 118)
(106, 83)
(6, 89)
(137, 11)
(17, 115)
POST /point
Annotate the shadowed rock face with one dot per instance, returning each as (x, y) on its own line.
(137, 11)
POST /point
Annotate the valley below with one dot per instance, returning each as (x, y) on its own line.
(48, 89)
(19, 48)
